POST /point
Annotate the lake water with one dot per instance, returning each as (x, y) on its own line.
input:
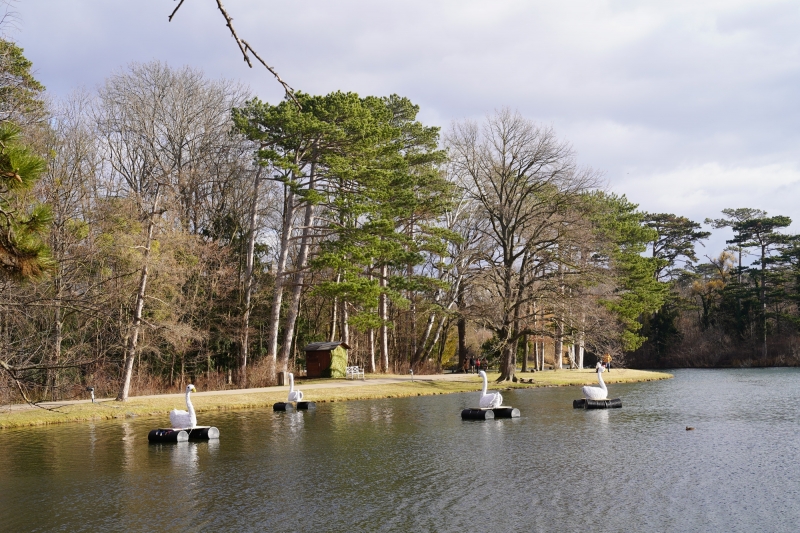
(413, 465)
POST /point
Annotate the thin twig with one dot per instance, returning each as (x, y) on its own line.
(286, 87)
(244, 47)
(175, 10)
(12, 373)
(25, 396)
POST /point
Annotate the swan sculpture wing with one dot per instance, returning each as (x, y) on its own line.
(294, 395)
(184, 419)
(597, 393)
(491, 399)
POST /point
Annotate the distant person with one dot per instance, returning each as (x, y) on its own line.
(471, 364)
(607, 361)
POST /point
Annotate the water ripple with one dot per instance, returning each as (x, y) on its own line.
(410, 465)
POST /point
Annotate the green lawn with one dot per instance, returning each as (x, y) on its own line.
(321, 391)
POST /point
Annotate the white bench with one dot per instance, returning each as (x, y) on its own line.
(354, 372)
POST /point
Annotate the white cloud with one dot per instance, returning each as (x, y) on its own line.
(703, 191)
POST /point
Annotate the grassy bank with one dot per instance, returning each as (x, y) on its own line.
(321, 391)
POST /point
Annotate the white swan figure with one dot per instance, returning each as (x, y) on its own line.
(294, 395)
(493, 399)
(184, 419)
(597, 393)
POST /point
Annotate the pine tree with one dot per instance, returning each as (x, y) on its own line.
(23, 251)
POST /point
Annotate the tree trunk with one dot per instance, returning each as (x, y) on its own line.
(436, 336)
(299, 278)
(442, 346)
(542, 349)
(334, 312)
(371, 332)
(383, 313)
(461, 326)
(559, 342)
(559, 345)
(526, 352)
(248, 285)
(52, 373)
(371, 350)
(345, 324)
(130, 351)
(507, 357)
(508, 368)
(418, 354)
(526, 347)
(412, 337)
(273, 327)
(582, 340)
(334, 317)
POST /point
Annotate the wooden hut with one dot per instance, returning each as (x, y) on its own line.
(326, 359)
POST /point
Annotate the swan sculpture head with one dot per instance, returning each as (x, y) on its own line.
(491, 399)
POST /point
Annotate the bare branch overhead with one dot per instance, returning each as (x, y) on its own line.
(245, 47)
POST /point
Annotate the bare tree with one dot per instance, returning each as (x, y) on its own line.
(67, 187)
(524, 180)
(165, 133)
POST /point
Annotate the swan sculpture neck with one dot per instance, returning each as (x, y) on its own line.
(489, 400)
(294, 395)
(600, 378)
(189, 406)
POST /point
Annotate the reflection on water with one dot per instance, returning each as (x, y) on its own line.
(414, 465)
(128, 445)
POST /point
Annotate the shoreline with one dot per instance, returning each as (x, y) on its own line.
(318, 390)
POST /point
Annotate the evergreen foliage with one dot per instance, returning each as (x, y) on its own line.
(24, 253)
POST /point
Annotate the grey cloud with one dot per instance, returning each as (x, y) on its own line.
(645, 91)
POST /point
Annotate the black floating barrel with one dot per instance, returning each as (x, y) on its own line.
(203, 433)
(471, 413)
(583, 403)
(292, 406)
(182, 435)
(506, 412)
(167, 435)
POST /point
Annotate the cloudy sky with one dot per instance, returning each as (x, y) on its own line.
(686, 106)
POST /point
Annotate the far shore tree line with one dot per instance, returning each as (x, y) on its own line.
(169, 228)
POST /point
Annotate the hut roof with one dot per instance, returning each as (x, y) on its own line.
(325, 346)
